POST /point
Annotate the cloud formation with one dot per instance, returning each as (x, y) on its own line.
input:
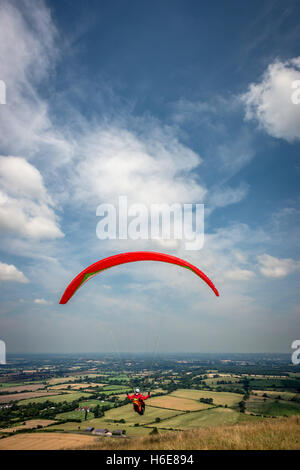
(154, 169)
(41, 302)
(269, 102)
(9, 272)
(273, 267)
(240, 274)
(25, 207)
(28, 53)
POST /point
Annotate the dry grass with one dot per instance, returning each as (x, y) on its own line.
(46, 441)
(60, 380)
(269, 434)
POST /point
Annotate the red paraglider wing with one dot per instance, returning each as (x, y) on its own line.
(130, 257)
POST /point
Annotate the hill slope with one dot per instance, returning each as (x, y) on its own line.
(269, 434)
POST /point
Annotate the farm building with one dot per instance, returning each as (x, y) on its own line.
(102, 432)
(84, 408)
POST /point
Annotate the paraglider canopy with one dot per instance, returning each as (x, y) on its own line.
(130, 257)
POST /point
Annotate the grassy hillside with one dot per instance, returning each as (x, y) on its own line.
(270, 434)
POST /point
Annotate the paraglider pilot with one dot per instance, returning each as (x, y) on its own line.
(138, 401)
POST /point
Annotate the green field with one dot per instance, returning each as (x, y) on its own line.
(93, 403)
(99, 423)
(213, 381)
(116, 388)
(219, 398)
(269, 384)
(74, 415)
(272, 407)
(126, 412)
(202, 419)
(273, 394)
(167, 419)
(120, 377)
(112, 392)
(55, 398)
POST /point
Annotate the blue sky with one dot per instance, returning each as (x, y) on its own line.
(165, 102)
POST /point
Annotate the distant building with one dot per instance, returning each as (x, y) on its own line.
(107, 433)
(84, 408)
(101, 432)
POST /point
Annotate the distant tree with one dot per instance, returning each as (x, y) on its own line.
(209, 401)
(242, 406)
(96, 411)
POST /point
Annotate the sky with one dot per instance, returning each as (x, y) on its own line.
(162, 102)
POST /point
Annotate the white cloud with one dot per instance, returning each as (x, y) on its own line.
(277, 267)
(31, 58)
(269, 102)
(240, 256)
(224, 196)
(8, 272)
(239, 274)
(28, 51)
(152, 169)
(41, 302)
(20, 178)
(28, 214)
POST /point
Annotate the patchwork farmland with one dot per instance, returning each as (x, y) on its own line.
(95, 405)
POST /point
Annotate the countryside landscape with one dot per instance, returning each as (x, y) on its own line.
(239, 401)
(149, 229)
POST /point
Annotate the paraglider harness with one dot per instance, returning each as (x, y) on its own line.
(139, 405)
